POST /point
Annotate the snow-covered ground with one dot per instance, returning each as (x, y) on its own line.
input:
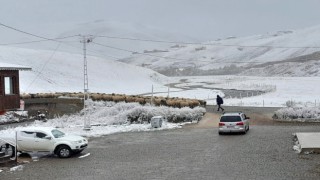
(63, 72)
(108, 118)
(302, 90)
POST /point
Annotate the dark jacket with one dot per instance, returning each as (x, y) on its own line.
(219, 100)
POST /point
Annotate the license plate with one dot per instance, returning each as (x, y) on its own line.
(229, 126)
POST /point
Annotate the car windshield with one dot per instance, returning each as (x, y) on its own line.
(230, 119)
(57, 134)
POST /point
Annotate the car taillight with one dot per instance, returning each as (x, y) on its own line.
(240, 124)
(222, 124)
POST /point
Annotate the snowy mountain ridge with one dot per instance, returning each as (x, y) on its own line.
(239, 56)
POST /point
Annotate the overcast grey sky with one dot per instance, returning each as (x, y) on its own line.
(202, 19)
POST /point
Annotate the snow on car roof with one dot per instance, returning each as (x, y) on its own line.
(232, 113)
(35, 128)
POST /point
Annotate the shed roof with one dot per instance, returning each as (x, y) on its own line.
(6, 66)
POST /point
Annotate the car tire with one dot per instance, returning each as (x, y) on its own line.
(64, 151)
(220, 133)
(244, 132)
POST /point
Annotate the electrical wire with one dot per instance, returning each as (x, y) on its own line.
(121, 49)
(210, 44)
(30, 42)
(171, 42)
(24, 32)
(43, 66)
(148, 40)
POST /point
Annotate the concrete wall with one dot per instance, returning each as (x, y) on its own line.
(53, 106)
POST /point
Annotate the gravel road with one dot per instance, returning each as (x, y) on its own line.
(194, 152)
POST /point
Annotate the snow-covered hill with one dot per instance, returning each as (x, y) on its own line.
(61, 72)
(239, 55)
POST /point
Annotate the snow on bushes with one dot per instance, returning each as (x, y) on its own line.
(110, 113)
(13, 116)
(311, 114)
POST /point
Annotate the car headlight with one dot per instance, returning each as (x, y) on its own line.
(77, 142)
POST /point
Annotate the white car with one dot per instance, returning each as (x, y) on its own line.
(233, 122)
(47, 139)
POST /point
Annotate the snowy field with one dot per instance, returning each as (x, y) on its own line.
(304, 91)
(63, 72)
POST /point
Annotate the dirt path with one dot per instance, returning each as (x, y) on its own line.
(258, 116)
(209, 120)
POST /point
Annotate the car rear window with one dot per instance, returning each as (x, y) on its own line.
(230, 119)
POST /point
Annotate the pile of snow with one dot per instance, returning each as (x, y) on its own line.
(108, 118)
(13, 116)
(17, 168)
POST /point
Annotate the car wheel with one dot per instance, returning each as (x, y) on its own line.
(220, 133)
(245, 131)
(64, 151)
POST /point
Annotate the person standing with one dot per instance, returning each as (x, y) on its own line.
(219, 102)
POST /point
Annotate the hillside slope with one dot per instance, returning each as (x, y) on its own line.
(61, 72)
(238, 55)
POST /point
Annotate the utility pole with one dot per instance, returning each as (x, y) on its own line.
(152, 96)
(85, 40)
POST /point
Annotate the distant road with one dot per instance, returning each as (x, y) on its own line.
(258, 115)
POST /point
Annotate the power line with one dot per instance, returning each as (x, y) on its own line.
(24, 32)
(44, 65)
(210, 44)
(120, 49)
(147, 40)
(30, 42)
(173, 42)
(126, 50)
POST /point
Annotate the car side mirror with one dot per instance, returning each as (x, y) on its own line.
(48, 137)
